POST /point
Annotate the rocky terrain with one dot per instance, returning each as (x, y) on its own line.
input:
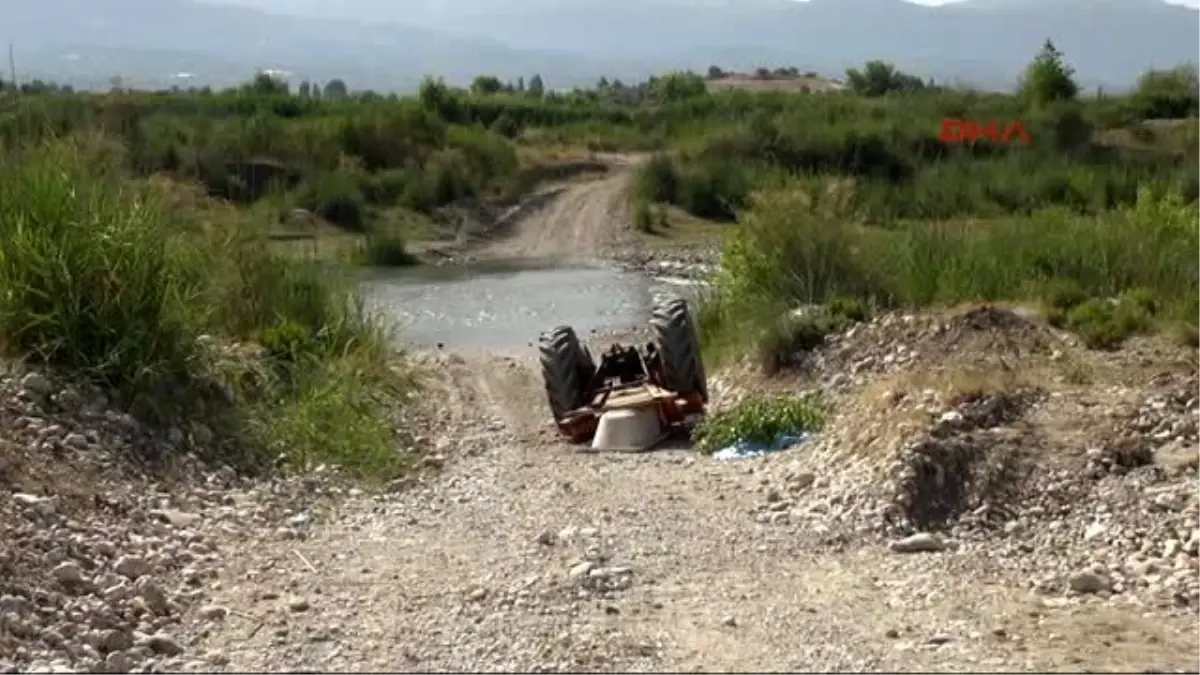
(987, 495)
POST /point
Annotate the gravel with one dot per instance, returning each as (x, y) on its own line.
(1062, 535)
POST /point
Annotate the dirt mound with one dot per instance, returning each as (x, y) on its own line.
(984, 335)
(972, 461)
(104, 554)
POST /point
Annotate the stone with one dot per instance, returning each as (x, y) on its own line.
(132, 567)
(1088, 582)
(921, 542)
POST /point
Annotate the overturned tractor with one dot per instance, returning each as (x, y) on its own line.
(632, 399)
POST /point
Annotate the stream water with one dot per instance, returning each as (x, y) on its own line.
(509, 303)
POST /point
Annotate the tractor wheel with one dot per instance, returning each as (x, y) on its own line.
(679, 348)
(566, 368)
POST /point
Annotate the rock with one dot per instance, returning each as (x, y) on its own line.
(76, 441)
(300, 520)
(118, 662)
(202, 435)
(161, 643)
(1172, 548)
(1088, 581)
(115, 640)
(581, 570)
(299, 605)
(153, 596)
(213, 612)
(132, 567)
(176, 518)
(68, 573)
(36, 383)
(730, 621)
(477, 594)
(1094, 531)
(921, 542)
(42, 505)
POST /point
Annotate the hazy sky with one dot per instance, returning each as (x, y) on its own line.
(934, 3)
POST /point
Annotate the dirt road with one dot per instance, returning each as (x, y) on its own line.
(577, 218)
(523, 554)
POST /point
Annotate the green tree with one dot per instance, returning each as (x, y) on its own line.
(1168, 94)
(305, 89)
(1048, 78)
(336, 88)
(487, 84)
(879, 78)
(536, 86)
(677, 86)
(267, 83)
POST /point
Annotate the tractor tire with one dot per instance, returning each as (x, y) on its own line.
(679, 347)
(566, 369)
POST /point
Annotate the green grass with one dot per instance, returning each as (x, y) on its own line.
(107, 280)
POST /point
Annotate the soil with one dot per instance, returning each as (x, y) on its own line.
(988, 496)
(583, 217)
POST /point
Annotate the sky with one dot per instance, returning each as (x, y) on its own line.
(935, 3)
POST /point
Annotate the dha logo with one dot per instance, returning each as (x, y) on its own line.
(967, 131)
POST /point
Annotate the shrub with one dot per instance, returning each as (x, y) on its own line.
(643, 216)
(385, 247)
(336, 197)
(1105, 324)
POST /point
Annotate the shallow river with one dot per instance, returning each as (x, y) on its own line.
(508, 303)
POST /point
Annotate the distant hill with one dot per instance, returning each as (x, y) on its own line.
(392, 44)
(151, 42)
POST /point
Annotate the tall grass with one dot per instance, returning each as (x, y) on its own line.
(120, 280)
(792, 249)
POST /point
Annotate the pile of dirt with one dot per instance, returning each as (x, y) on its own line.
(964, 428)
(106, 554)
(974, 463)
(984, 335)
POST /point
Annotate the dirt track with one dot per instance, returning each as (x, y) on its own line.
(524, 555)
(582, 218)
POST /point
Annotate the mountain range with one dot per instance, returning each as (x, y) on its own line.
(392, 45)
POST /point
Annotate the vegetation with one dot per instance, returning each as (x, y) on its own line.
(135, 223)
(760, 420)
(127, 283)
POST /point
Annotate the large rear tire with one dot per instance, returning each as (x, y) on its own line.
(566, 369)
(679, 347)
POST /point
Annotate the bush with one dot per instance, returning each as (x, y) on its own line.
(657, 181)
(643, 216)
(1105, 324)
(385, 247)
(336, 197)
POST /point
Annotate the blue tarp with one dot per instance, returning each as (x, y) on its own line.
(744, 449)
